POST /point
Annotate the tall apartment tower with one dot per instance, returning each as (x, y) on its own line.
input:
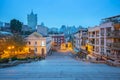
(32, 20)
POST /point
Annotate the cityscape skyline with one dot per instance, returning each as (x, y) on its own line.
(59, 39)
(55, 13)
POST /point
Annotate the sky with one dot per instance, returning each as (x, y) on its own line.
(55, 13)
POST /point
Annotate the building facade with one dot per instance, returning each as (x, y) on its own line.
(26, 28)
(6, 27)
(110, 37)
(80, 39)
(93, 42)
(42, 30)
(38, 44)
(58, 39)
(1, 25)
(104, 40)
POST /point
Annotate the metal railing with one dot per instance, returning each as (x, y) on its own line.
(113, 34)
(114, 45)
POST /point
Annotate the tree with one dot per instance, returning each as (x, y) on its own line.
(2, 46)
(12, 44)
(18, 42)
(15, 26)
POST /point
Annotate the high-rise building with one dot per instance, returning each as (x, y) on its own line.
(1, 24)
(32, 20)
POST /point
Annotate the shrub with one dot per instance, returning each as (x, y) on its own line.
(22, 59)
(13, 58)
(4, 60)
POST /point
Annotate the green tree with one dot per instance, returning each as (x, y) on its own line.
(15, 26)
(2, 46)
(13, 43)
(17, 41)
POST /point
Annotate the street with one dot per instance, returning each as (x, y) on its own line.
(60, 66)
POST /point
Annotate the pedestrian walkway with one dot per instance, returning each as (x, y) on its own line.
(60, 66)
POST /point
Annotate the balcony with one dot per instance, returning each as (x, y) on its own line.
(102, 53)
(114, 45)
(108, 45)
(97, 35)
(92, 36)
(102, 43)
(111, 56)
(113, 34)
(84, 36)
(102, 34)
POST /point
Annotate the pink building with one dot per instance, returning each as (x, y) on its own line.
(58, 39)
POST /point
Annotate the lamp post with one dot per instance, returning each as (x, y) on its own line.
(10, 48)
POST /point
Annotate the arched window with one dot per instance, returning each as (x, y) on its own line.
(29, 49)
(35, 43)
(29, 42)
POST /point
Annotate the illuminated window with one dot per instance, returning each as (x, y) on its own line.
(42, 43)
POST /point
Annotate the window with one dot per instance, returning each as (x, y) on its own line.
(108, 51)
(29, 49)
(35, 43)
(42, 51)
(43, 43)
(29, 42)
(102, 41)
(35, 49)
(102, 49)
(102, 31)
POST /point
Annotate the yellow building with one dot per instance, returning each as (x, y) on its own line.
(69, 46)
(63, 46)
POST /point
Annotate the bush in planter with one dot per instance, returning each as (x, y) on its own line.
(13, 58)
(4, 60)
(22, 59)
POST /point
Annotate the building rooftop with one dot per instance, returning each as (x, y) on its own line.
(36, 34)
(5, 33)
(115, 19)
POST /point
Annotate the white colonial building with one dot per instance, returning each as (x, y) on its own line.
(38, 44)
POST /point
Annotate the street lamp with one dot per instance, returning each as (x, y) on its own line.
(10, 48)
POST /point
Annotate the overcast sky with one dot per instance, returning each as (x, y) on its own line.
(54, 13)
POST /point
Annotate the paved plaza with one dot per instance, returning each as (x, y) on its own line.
(60, 66)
